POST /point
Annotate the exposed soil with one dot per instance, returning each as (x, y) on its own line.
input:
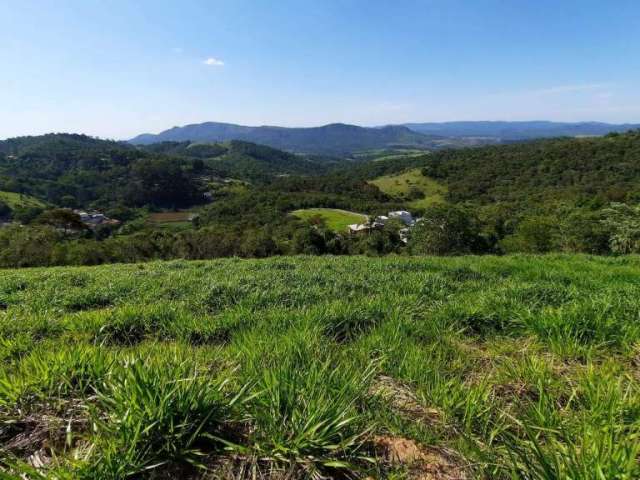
(422, 462)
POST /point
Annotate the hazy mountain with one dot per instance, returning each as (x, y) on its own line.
(518, 130)
(329, 139)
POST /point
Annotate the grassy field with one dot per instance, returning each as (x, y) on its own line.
(400, 185)
(170, 217)
(17, 200)
(336, 220)
(171, 220)
(516, 367)
(389, 154)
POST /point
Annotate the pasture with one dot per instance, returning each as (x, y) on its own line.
(517, 367)
(20, 200)
(335, 219)
(403, 185)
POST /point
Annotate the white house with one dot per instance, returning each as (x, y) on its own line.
(95, 218)
(402, 215)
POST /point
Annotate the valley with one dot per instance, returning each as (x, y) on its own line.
(322, 240)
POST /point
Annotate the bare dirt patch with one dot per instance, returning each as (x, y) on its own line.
(422, 462)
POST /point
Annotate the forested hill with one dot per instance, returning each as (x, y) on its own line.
(575, 170)
(335, 138)
(582, 170)
(76, 170)
(244, 160)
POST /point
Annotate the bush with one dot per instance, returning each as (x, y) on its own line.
(447, 230)
(537, 234)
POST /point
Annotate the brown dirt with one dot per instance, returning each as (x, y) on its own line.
(422, 462)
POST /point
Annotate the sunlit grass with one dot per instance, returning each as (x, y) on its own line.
(524, 367)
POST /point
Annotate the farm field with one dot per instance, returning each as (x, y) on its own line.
(517, 367)
(402, 184)
(336, 219)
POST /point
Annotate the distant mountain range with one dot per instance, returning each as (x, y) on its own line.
(512, 131)
(335, 138)
(339, 138)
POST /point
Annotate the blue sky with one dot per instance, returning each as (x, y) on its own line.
(118, 68)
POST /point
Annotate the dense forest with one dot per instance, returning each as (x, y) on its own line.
(566, 194)
(79, 171)
(585, 171)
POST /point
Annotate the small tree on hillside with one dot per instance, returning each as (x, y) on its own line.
(623, 222)
(62, 219)
(446, 230)
(536, 234)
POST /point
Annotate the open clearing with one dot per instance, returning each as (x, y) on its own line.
(407, 368)
(401, 185)
(335, 219)
(170, 217)
(18, 200)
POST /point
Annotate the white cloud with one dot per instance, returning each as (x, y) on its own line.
(213, 62)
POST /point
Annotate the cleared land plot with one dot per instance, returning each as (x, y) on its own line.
(401, 185)
(519, 367)
(336, 219)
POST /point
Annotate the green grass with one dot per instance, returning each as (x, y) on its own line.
(18, 200)
(401, 184)
(517, 367)
(336, 220)
(389, 154)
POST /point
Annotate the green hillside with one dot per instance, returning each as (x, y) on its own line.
(77, 171)
(413, 187)
(473, 367)
(583, 170)
(18, 200)
(335, 219)
(333, 139)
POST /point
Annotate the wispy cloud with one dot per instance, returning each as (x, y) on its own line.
(213, 62)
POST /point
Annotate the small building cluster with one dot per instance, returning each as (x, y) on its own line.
(93, 219)
(379, 222)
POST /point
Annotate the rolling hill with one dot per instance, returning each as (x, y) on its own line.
(77, 170)
(570, 169)
(243, 160)
(335, 138)
(411, 186)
